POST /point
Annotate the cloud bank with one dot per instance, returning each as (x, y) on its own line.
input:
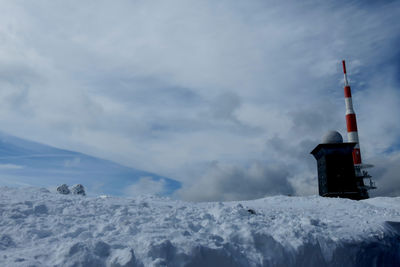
(146, 186)
(229, 182)
(214, 94)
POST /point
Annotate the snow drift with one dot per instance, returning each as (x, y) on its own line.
(42, 228)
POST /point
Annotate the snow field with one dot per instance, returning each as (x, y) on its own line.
(42, 228)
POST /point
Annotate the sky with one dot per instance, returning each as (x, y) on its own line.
(227, 97)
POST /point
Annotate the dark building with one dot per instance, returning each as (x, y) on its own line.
(336, 172)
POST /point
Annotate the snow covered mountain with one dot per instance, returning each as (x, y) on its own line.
(42, 228)
(25, 163)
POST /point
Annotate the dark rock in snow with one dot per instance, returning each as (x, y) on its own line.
(63, 189)
(251, 211)
(78, 189)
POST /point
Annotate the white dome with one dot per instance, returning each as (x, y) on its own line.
(332, 137)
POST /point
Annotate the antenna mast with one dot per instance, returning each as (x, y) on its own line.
(352, 136)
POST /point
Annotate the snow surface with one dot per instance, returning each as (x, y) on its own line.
(43, 228)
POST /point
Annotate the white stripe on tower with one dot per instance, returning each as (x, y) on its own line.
(351, 121)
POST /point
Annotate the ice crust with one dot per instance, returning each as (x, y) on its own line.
(43, 228)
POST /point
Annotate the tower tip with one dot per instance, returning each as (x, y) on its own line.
(344, 66)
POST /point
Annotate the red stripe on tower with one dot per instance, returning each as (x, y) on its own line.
(351, 121)
(347, 91)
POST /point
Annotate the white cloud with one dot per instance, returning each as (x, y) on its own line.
(74, 162)
(387, 175)
(146, 186)
(8, 166)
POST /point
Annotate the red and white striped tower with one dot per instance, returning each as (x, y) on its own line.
(351, 121)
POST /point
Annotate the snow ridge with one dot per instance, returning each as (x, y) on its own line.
(43, 228)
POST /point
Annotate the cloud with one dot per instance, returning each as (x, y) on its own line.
(10, 167)
(71, 163)
(224, 106)
(230, 182)
(386, 174)
(173, 87)
(146, 186)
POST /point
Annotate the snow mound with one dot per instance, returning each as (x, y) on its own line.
(40, 228)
